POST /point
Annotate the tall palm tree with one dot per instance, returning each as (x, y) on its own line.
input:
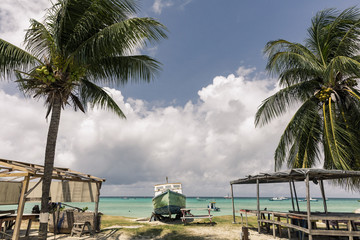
(81, 46)
(321, 79)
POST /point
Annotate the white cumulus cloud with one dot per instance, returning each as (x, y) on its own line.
(204, 145)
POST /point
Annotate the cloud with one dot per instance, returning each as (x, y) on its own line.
(15, 16)
(160, 4)
(204, 145)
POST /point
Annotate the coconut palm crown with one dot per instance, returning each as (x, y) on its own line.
(80, 46)
(321, 79)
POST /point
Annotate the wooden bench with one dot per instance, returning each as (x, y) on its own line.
(187, 215)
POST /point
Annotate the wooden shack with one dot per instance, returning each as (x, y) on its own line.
(21, 182)
(292, 219)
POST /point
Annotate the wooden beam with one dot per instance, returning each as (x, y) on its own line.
(16, 174)
(20, 209)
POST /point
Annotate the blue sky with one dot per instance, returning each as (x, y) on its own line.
(208, 38)
(194, 123)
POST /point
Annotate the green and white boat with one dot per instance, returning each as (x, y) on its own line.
(168, 199)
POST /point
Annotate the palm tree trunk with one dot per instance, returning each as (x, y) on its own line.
(48, 166)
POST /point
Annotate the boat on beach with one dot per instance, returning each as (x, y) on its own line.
(168, 199)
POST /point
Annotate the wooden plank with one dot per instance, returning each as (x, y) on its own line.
(20, 210)
(16, 174)
(336, 233)
(289, 225)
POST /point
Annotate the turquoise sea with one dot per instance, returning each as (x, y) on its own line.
(139, 207)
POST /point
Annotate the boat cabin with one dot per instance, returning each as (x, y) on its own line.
(160, 188)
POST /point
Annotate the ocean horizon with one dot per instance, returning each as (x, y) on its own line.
(141, 206)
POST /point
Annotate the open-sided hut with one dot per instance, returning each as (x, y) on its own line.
(302, 175)
(21, 182)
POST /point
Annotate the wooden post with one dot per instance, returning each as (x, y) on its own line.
(296, 198)
(97, 198)
(273, 225)
(20, 209)
(324, 201)
(308, 204)
(258, 203)
(292, 197)
(233, 205)
(288, 229)
(323, 195)
(350, 230)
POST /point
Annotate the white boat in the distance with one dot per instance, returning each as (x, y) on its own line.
(311, 200)
(278, 199)
(227, 197)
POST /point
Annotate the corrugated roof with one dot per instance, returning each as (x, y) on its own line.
(297, 174)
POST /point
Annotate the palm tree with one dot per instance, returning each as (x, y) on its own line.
(321, 79)
(81, 46)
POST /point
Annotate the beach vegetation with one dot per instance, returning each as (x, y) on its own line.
(320, 80)
(80, 47)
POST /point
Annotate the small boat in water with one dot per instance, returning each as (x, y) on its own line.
(227, 197)
(168, 199)
(278, 198)
(200, 199)
(212, 207)
(311, 200)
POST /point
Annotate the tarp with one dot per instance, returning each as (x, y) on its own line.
(67, 191)
(10, 192)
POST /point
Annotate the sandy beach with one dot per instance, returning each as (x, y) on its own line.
(160, 230)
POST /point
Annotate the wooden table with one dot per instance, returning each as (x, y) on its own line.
(299, 222)
(8, 220)
(186, 214)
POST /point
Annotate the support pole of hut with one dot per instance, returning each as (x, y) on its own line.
(323, 195)
(233, 205)
(292, 197)
(20, 209)
(307, 180)
(324, 201)
(296, 198)
(258, 203)
(97, 198)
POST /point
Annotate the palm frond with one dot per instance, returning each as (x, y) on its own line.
(14, 58)
(81, 19)
(39, 41)
(278, 104)
(119, 39)
(120, 70)
(299, 144)
(97, 96)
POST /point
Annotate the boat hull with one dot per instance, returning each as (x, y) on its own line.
(169, 203)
